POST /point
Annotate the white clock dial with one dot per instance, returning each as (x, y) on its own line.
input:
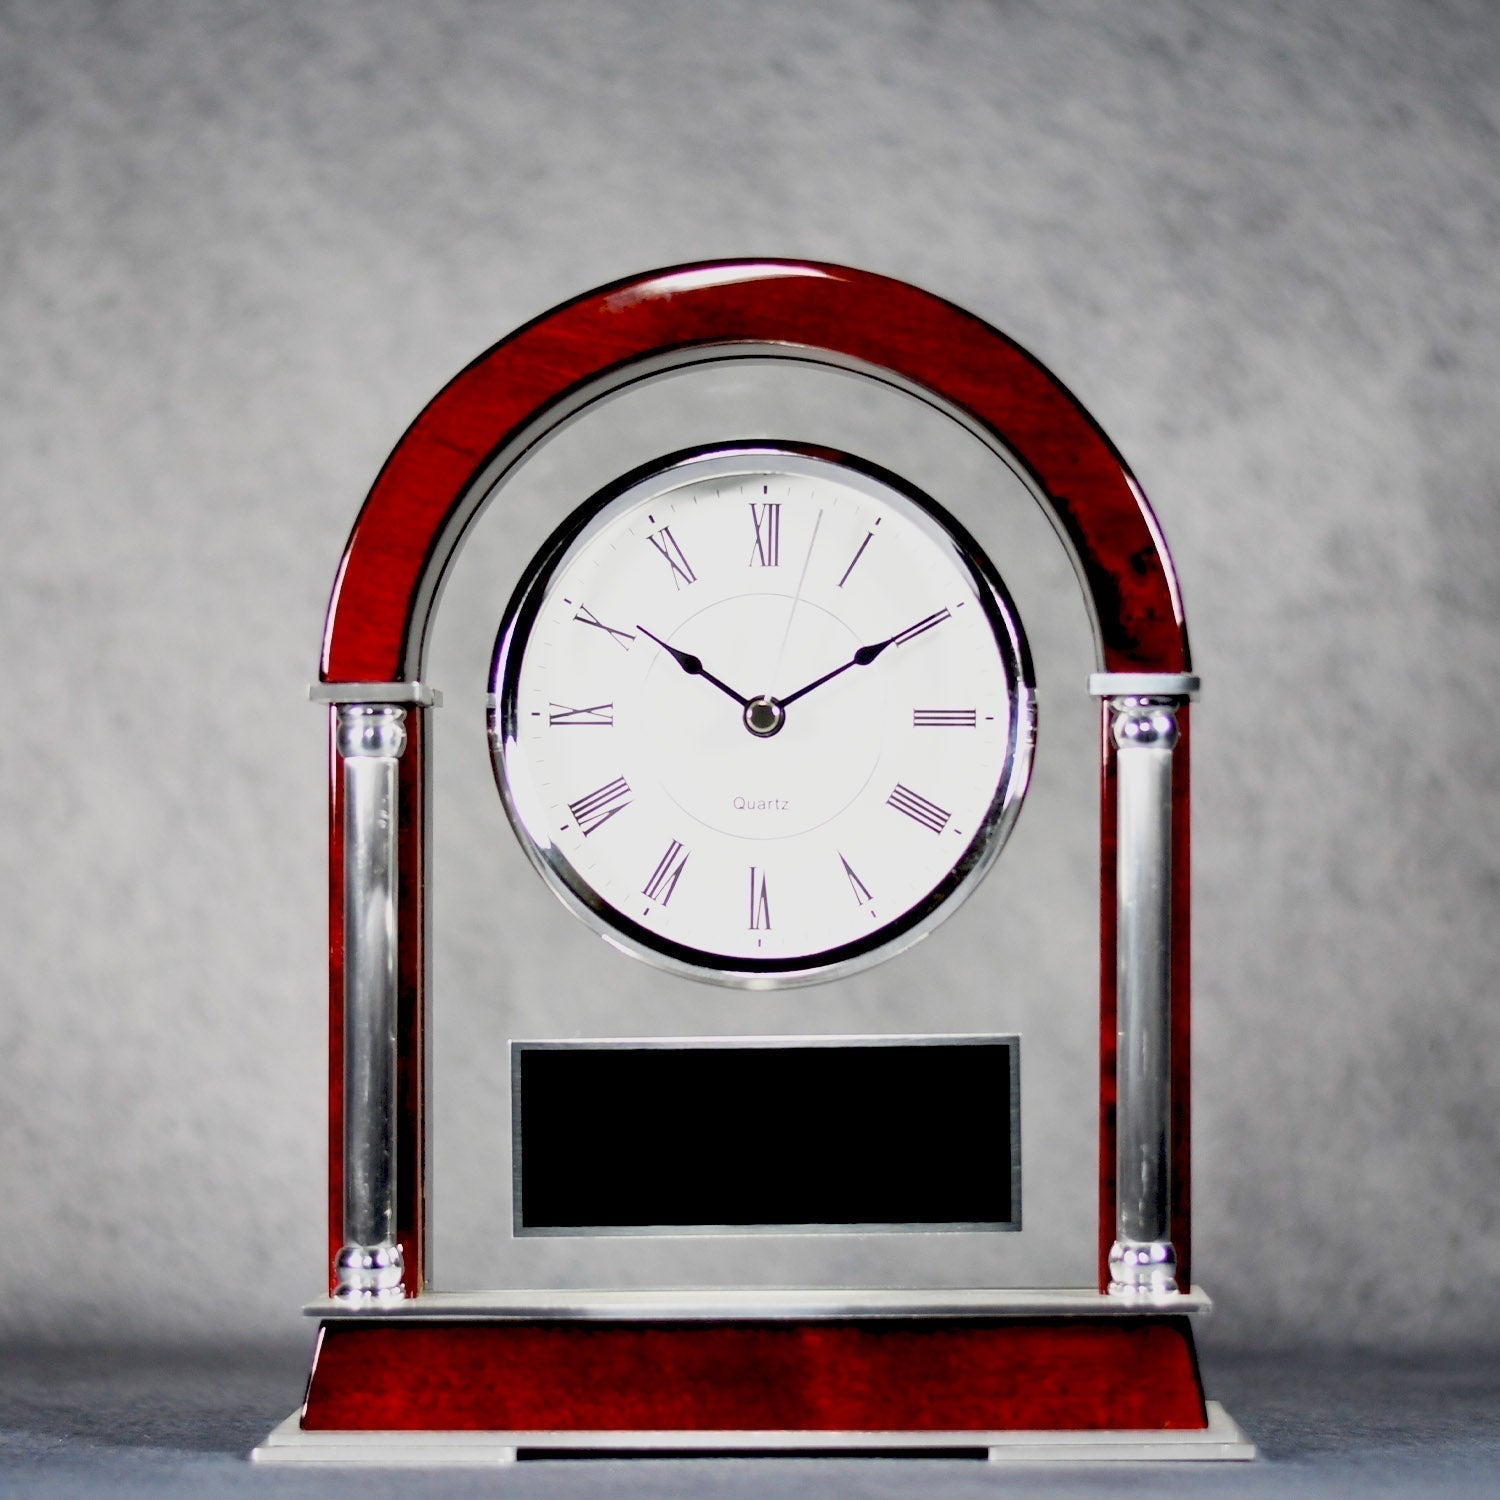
(762, 714)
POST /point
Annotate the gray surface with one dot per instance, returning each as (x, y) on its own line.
(243, 243)
(144, 1422)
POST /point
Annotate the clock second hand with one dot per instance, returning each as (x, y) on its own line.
(792, 612)
(693, 666)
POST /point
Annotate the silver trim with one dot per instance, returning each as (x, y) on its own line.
(717, 1304)
(570, 885)
(371, 738)
(693, 1231)
(1142, 1261)
(1144, 685)
(1222, 1439)
(419, 693)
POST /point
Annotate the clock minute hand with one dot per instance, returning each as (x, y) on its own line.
(861, 658)
(693, 666)
(866, 654)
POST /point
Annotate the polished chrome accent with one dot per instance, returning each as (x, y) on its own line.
(689, 1304)
(289, 1443)
(1144, 685)
(1143, 1262)
(694, 1231)
(764, 717)
(418, 693)
(367, 1273)
(1221, 1439)
(371, 738)
(1143, 1269)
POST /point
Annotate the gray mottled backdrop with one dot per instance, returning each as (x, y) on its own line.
(241, 244)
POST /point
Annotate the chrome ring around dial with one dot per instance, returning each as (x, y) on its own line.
(761, 713)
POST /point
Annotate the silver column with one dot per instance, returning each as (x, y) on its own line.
(371, 738)
(1142, 1261)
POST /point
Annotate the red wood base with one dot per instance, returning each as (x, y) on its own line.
(808, 1375)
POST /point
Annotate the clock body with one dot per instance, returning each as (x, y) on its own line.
(761, 713)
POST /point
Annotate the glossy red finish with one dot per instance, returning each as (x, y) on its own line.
(403, 536)
(874, 1375)
(411, 1006)
(1108, 988)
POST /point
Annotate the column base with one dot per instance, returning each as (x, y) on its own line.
(369, 1273)
(1143, 1269)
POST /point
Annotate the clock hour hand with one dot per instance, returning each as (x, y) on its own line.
(866, 654)
(693, 666)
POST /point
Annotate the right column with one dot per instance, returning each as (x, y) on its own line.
(1144, 728)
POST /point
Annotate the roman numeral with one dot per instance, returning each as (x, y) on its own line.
(861, 894)
(760, 903)
(595, 810)
(859, 554)
(944, 718)
(666, 544)
(767, 521)
(918, 808)
(913, 631)
(665, 876)
(622, 638)
(600, 713)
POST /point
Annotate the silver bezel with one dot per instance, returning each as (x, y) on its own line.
(718, 460)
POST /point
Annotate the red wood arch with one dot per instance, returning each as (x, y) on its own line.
(413, 520)
(441, 472)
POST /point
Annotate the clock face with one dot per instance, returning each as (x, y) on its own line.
(761, 713)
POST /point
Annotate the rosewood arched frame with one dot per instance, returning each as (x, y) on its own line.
(437, 481)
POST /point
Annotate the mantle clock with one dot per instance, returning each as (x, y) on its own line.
(761, 713)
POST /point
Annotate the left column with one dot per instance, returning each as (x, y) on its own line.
(379, 787)
(371, 740)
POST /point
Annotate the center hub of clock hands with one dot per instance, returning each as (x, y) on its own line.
(764, 716)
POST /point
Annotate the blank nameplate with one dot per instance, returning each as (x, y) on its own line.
(806, 1134)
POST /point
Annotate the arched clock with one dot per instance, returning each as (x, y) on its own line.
(761, 713)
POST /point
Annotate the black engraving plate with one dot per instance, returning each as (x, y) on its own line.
(631, 1138)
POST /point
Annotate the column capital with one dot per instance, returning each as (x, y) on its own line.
(374, 731)
(1143, 724)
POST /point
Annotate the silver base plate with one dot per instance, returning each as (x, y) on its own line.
(718, 1304)
(289, 1444)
